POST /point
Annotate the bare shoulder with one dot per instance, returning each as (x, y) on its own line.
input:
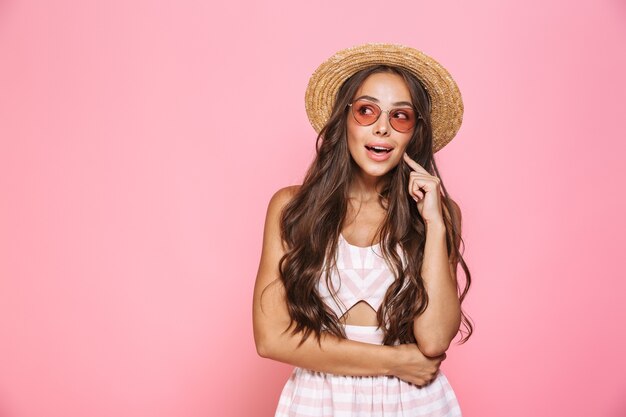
(279, 200)
(282, 197)
(273, 246)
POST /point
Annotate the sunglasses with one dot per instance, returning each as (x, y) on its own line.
(365, 113)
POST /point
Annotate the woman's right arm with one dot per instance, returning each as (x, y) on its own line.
(332, 354)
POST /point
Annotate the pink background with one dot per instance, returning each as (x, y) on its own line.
(140, 142)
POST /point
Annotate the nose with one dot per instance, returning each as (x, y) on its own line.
(381, 127)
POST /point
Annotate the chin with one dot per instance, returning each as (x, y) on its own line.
(380, 172)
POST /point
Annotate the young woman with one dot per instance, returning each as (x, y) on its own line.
(357, 282)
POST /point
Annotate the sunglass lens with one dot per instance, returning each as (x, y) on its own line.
(365, 113)
(402, 120)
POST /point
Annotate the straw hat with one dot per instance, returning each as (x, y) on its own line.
(446, 103)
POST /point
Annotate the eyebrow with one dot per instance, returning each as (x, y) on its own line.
(375, 100)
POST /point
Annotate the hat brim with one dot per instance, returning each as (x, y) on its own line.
(446, 102)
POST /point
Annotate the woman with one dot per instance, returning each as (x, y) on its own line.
(357, 281)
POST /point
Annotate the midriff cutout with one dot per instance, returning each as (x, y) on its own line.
(360, 314)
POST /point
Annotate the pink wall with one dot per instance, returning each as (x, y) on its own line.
(140, 143)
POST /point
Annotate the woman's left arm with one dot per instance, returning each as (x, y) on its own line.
(435, 328)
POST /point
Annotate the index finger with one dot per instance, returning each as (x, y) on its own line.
(416, 167)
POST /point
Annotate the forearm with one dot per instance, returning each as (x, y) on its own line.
(435, 328)
(332, 355)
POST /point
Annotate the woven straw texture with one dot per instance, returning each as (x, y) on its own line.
(446, 102)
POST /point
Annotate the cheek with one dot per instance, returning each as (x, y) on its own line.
(351, 129)
(404, 143)
(352, 134)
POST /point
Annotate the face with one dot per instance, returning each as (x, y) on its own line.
(388, 91)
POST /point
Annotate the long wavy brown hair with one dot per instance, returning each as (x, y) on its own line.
(312, 222)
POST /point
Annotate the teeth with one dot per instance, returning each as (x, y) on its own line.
(379, 148)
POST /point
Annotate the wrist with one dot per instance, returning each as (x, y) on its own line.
(435, 226)
(391, 359)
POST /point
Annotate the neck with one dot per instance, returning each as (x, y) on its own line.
(365, 188)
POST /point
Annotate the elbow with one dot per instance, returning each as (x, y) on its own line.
(433, 350)
(263, 348)
(432, 345)
(266, 345)
(269, 339)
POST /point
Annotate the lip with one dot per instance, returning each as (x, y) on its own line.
(379, 157)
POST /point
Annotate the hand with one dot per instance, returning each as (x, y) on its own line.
(425, 190)
(415, 368)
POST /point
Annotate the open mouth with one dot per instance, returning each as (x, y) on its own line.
(379, 149)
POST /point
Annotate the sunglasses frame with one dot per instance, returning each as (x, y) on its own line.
(417, 115)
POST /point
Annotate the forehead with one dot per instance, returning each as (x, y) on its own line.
(386, 87)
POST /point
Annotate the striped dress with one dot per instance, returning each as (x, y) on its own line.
(363, 275)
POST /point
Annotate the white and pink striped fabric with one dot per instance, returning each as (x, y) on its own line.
(363, 275)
